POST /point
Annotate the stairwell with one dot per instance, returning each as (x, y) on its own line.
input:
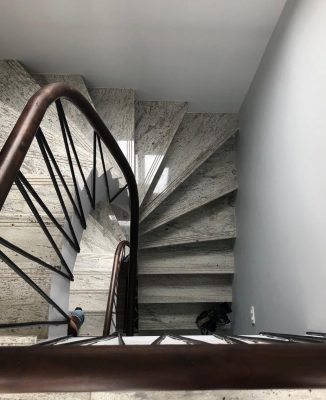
(184, 164)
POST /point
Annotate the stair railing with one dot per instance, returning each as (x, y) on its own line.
(115, 297)
(12, 156)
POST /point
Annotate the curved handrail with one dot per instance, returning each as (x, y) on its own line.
(16, 147)
(113, 284)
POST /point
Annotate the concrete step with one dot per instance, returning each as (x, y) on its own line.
(215, 178)
(184, 289)
(170, 317)
(198, 137)
(214, 221)
(202, 258)
(17, 340)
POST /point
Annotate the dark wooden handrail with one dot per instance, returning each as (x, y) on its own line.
(208, 367)
(16, 147)
(113, 284)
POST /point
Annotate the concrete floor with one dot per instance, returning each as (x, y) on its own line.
(195, 395)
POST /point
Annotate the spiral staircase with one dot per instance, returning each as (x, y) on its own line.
(184, 164)
(75, 184)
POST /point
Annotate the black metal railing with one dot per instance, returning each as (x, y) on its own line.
(12, 156)
(116, 304)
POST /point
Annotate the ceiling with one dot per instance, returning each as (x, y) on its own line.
(202, 51)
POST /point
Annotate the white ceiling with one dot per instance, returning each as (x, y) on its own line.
(202, 51)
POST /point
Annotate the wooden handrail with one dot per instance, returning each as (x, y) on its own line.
(16, 147)
(113, 284)
(181, 367)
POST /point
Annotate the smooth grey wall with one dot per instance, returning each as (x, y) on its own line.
(281, 213)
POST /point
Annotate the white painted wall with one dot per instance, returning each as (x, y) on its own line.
(281, 214)
(205, 52)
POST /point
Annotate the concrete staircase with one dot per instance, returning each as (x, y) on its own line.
(185, 169)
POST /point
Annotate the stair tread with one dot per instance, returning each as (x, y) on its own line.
(197, 138)
(184, 289)
(215, 178)
(156, 124)
(214, 221)
(17, 340)
(202, 258)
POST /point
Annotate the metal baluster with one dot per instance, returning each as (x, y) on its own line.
(72, 171)
(42, 225)
(28, 280)
(47, 153)
(94, 168)
(159, 340)
(104, 167)
(65, 128)
(31, 323)
(120, 338)
(73, 242)
(31, 257)
(118, 193)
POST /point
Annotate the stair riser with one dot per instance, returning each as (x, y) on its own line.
(184, 289)
(200, 263)
(165, 317)
(215, 221)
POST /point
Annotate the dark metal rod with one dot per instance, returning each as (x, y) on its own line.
(104, 167)
(28, 280)
(53, 341)
(296, 338)
(73, 242)
(72, 170)
(91, 340)
(46, 152)
(228, 339)
(158, 341)
(121, 341)
(94, 169)
(62, 115)
(43, 226)
(31, 323)
(316, 333)
(31, 257)
(188, 340)
(118, 193)
(265, 340)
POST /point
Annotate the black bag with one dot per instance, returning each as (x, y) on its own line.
(209, 320)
